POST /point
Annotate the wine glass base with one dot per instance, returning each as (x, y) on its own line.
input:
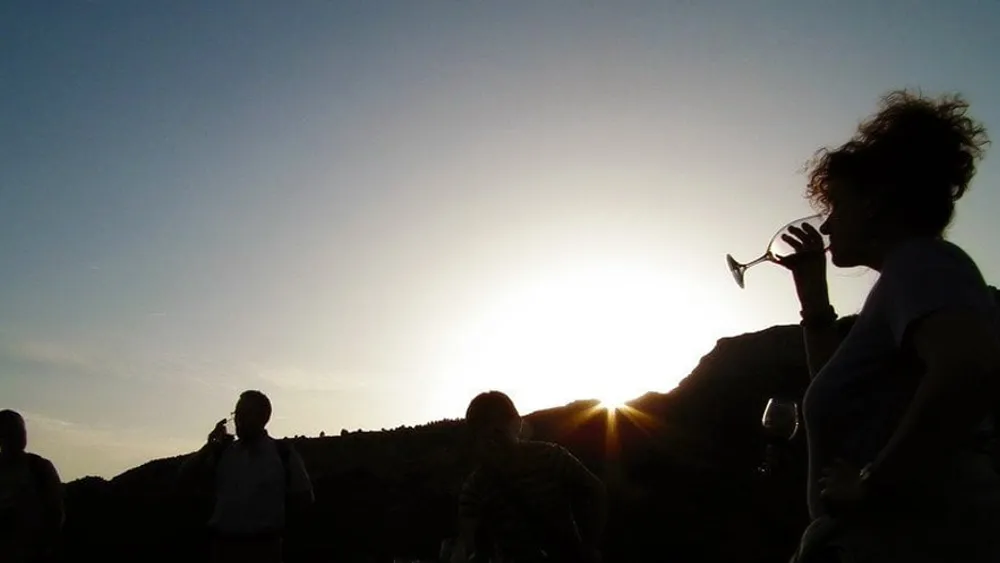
(738, 270)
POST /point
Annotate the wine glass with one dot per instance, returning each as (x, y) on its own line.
(777, 248)
(781, 419)
(781, 423)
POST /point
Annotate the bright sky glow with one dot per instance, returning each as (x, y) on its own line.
(374, 210)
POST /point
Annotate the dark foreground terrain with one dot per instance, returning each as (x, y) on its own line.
(680, 468)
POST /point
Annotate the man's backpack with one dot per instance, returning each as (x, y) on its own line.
(285, 453)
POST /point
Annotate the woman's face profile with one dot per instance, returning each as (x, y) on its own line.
(851, 226)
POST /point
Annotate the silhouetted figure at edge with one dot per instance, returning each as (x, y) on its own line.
(256, 481)
(527, 501)
(898, 414)
(31, 503)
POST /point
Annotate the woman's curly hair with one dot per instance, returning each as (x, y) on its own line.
(913, 159)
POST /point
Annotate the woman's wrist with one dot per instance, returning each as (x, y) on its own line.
(812, 298)
(818, 316)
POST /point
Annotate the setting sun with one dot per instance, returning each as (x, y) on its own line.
(612, 405)
(611, 332)
(614, 402)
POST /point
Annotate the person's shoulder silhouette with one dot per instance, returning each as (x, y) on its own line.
(31, 505)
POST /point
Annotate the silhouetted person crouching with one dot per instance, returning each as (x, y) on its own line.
(527, 501)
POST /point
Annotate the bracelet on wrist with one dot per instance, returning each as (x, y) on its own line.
(820, 318)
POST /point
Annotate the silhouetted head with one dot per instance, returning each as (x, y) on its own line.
(897, 178)
(495, 426)
(253, 411)
(13, 435)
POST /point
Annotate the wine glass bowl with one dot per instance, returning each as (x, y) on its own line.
(781, 423)
(781, 419)
(777, 248)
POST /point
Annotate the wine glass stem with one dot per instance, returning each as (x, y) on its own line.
(764, 258)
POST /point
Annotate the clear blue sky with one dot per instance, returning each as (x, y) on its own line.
(372, 210)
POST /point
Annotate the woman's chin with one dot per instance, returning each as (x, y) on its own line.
(842, 260)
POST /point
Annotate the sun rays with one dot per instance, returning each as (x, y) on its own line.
(617, 414)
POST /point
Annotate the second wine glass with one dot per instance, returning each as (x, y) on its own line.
(781, 423)
(781, 419)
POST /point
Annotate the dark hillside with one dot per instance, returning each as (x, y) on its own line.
(680, 468)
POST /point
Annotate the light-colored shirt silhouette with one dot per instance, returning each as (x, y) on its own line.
(251, 483)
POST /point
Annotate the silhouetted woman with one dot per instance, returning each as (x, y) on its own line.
(897, 414)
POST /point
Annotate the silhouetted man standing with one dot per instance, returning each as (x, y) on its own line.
(256, 481)
(31, 506)
(528, 501)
